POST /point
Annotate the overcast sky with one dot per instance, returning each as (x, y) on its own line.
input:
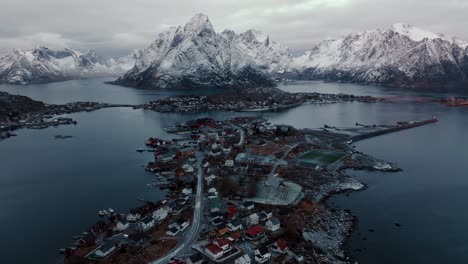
(115, 27)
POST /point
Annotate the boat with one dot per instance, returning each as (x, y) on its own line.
(140, 150)
(110, 210)
(62, 251)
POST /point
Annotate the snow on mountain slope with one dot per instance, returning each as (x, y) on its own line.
(42, 65)
(399, 55)
(196, 56)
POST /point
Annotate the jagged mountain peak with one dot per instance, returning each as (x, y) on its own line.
(199, 24)
(414, 33)
(196, 56)
(400, 55)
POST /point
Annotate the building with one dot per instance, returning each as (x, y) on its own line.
(186, 152)
(254, 232)
(216, 215)
(122, 225)
(229, 163)
(262, 255)
(188, 168)
(105, 250)
(262, 216)
(212, 193)
(235, 225)
(231, 212)
(253, 219)
(279, 246)
(214, 251)
(244, 259)
(160, 214)
(180, 224)
(133, 217)
(273, 224)
(167, 156)
(268, 213)
(224, 244)
(172, 231)
(146, 223)
(187, 191)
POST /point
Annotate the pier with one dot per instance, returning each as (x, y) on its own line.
(399, 127)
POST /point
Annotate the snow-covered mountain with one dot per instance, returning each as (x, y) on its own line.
(194, 55)
(42, 65)
(400, 55)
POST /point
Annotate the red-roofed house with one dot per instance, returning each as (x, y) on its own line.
(232, 212)
(280, 246)
(214, 251)
(234, 237)
(224, 243)
(254, 232)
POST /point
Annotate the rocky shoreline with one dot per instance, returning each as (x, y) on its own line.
(18, 112)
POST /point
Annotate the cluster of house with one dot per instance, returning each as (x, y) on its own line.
(234, 225)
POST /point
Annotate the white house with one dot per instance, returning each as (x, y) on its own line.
(146, 223)
(210, 179)
(268, 213)
(262, 255)
(273, 224)
(214, 251)
(122, 225)
(229, 163)
(188, 168)
(253, 219)
(180, 224)
(187, 191)
(227, 150)
(212, 193)
(133, 217)
(235, 225)
(244, 259)
(105, 250)
(160, 214)
(172, 231)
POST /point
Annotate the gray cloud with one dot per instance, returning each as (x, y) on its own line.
(115, 27)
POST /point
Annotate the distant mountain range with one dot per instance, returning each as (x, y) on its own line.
(43, 65)
(196, 56)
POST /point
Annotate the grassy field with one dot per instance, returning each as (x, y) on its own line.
(322, 157)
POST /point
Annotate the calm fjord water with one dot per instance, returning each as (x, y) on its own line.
(51, 189)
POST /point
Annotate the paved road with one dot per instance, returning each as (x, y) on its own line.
(194, 229)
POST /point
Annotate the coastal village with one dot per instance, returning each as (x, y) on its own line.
(238, 191)
(251, 99)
